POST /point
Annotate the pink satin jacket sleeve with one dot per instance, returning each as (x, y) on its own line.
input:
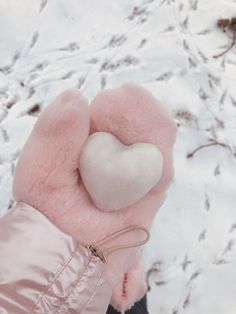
(43, 270)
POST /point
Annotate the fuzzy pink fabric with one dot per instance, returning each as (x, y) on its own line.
(47, 176)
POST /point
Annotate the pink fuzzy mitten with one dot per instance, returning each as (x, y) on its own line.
(131, 288)
(79, 188)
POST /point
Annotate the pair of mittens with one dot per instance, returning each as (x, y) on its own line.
(96, 169)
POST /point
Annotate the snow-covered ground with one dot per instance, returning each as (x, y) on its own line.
(167, 46)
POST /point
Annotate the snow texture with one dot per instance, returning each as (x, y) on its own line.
(167, 46)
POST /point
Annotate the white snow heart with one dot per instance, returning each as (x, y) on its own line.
(116, 175)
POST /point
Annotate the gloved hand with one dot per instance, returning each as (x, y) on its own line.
(47, 175)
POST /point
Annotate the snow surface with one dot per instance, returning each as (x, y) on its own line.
(167, 46)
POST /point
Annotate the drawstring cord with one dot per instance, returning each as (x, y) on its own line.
(96, 251)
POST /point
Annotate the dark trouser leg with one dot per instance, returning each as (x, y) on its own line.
(139, 308)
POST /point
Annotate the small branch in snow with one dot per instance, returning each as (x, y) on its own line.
(228, 49)
(227, 24)
(190, 155)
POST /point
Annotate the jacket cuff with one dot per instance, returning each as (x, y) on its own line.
(43, 269)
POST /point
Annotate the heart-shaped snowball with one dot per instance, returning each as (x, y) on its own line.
(116, 175)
